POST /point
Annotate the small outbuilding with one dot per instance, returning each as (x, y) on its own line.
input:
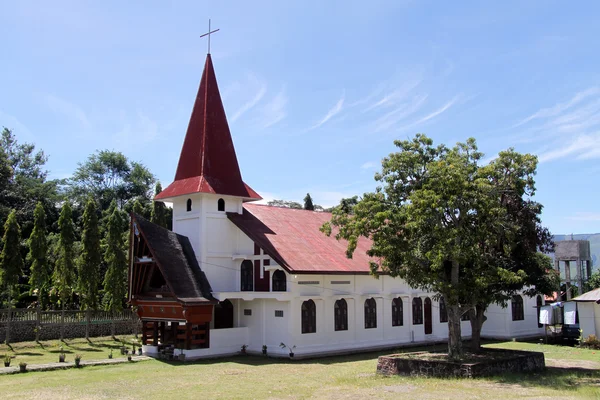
(588, 307)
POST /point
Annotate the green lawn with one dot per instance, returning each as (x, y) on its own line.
(48, 351)
(571, 375)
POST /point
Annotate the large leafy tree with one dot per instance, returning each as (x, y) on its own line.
(23, 182)
(11, 262)
(115, 280)
(431, 222)
(108, 175)
(509, 260)
(64, 269)
(90, 258)
(39, 278)
(159, 212)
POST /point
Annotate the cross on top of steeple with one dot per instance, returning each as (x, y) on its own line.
(208, 34)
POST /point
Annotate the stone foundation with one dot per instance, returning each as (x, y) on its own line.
(499, 361)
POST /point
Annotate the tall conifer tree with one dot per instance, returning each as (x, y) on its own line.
(308, 203)
(159, 212)
(138, 208)
(38, 255)
(115, 280)
(90, 258)
(11, 262)
(64, 271)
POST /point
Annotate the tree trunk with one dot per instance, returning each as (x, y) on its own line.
(455, 350)
(87, 324)
(477, 319)
(62, 322)
(7, 336)
(38, 322)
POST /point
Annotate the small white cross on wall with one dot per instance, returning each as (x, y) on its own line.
(208, 34)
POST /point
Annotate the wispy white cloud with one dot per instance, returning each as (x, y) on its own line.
(336, 109)
(568, 129)
(275, 110)
(559, 108)
(369, 165)
(582, 147)
(260, 93)
(439, 111)
(67, 109)
(394, 97)
(390, 119)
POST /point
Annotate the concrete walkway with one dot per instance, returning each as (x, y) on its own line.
(14, 369)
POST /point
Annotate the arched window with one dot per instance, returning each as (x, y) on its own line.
(370, 313)
(443, 312)
(539, 303)
(309, 317)
(341, 315)
(517, 308)
(247, 276)
(224, 315)
(189, 205)
(428, 317)
(397, 312)
(279, 284)
(221, 205)
(417, 311)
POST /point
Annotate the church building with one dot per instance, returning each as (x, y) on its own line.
(234, 273)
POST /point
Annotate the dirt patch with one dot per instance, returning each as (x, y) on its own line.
(581, 364)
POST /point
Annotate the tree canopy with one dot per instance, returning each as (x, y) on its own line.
(23, 182)
(64, 270)
(90, 258)
(108, 175)
(434, 222)
(11, 262)
(115, 280)
(159, 211)
(39, 278)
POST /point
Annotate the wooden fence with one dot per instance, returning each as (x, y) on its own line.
(12, 319)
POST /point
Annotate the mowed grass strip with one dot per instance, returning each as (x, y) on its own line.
(47, 351)
(343, 377)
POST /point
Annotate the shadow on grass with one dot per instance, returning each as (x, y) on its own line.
(27, 353)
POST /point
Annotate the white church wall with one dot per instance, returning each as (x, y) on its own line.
(276, 328)
(244, 245)
(499, 323)
(221, 273)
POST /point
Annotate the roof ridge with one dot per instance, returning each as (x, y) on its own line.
(287, 208)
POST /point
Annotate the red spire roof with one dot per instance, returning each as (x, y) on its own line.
(208, 163)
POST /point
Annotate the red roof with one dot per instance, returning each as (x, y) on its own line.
(292, 238)
(208, 163)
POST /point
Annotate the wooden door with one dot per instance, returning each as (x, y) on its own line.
(428, 325)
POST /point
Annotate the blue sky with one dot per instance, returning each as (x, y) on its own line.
(315, 91)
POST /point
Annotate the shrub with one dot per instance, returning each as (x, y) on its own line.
(591, 342)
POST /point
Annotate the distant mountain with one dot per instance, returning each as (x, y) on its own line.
(594, 239)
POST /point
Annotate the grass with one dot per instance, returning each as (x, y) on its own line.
(44, 352)
(343, 377)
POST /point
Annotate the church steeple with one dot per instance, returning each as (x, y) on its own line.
(208, 163)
